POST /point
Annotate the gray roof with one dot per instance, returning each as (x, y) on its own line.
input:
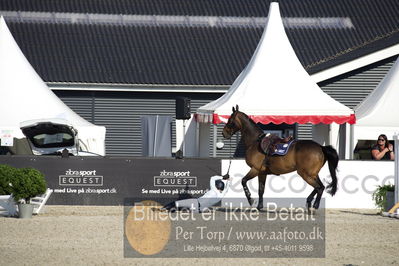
(188, 42)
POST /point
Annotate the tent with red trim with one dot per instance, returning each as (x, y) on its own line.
(275, 88)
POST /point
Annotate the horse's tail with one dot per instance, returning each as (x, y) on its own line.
(332, 157)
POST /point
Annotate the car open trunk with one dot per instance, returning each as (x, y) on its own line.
(50, 136)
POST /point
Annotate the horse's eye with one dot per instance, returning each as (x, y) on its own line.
(230, 124)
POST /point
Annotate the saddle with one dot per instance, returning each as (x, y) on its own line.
(269, 143)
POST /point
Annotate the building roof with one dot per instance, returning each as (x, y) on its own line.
(189, 42)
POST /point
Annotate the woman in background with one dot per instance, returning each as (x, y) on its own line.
(383, 150)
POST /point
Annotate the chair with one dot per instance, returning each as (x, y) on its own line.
(8, 207)
(40, 201)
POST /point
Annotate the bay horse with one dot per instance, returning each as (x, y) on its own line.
(305, 156)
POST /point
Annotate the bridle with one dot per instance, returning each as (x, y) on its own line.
(231, 124)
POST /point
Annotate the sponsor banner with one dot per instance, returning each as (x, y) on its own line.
(109, 180)
(283, 229)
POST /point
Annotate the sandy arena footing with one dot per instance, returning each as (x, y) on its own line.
(93, 235)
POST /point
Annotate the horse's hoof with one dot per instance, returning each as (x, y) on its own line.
(260, 207)
(311, 211)
(251, 202)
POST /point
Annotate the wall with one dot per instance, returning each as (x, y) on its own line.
(120, 113)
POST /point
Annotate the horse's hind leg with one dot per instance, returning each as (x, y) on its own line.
(318, 186)
(320, 190)
(310, 198)
(251, 174)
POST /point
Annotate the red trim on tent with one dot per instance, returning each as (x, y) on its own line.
(291, 119)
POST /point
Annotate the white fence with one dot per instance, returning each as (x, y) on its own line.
(357, 180)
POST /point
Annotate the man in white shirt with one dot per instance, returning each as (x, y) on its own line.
(219, 185)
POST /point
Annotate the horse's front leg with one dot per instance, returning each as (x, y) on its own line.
(262, 181)
(251, 174)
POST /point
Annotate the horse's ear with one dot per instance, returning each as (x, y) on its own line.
(234, 109)
(237, 107)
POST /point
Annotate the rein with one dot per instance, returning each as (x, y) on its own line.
(230, 157)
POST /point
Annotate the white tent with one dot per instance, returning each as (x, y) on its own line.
(379, 112)
(275, 88)
(24, 96)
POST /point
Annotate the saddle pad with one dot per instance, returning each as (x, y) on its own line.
(282, 148)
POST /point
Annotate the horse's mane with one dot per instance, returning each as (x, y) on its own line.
(250, 119)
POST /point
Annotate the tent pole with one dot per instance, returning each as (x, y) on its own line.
(351, 140)
(197, 138)
(214, 140)
(396, 180)
(184, 135)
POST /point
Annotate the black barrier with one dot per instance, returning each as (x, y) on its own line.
(109, 180)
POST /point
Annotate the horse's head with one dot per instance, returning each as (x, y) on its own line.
(233, 124)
